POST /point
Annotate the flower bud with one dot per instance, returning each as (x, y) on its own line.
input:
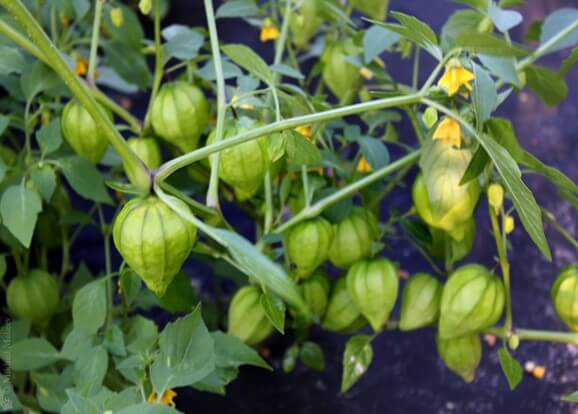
(430, 117)
(33, 297)
(308, 243)
(372, 286)
(472, 300)
(461, 355)
(153, 240)
(565, 296)
(342, 315)
(514, 342)
(496, 197)
(353, 238)
(247, 318)
(420, 303)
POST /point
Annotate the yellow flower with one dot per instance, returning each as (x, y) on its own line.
(166, 398)
(242, 105)
(268, 31)
(509, 224)
(81, 66)
(363, 166)
(305, 130)
(454, 78)
(449, 131)
(495, 197)
(116, 17)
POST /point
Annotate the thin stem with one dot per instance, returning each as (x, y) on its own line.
(316, 208)
(268, 203)
(159, 61)
(549, 217)
(536, 335)
(213, 191)
(504, 265)
(416, 65)
(305, 183)
(98, 5)
(54, 59)
(105, 230)
(168, 168)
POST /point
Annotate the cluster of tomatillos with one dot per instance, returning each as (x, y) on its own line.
(155, 241)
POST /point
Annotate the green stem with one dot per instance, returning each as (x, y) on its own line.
(98, 5)
(213, 191)
(536, 335)
(549, 217)
(315, 209)
(504, 265)
(170, 167)
(105, 230)
(268, 203)
(78, 88)
(159, 61)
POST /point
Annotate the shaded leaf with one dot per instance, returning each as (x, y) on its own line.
(489, 44)
(31, 354)
(85, 179)
(510, 367)
(19, 208)
(547, 84)
(89, 307)
(356, 360)
(556, 24)
(274, 309)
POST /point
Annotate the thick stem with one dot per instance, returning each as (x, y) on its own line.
(170, 167)
(536, 335)
(159, 61)
(213, 191)
(78, 88)
(315, 209)
(504, 265)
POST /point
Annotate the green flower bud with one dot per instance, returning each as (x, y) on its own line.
(340, 76)
(461, 355)
(375, 9)
(353, 238)
(243, 166)
(472, 300)
(154, 240)
(179, 114)
(565, 296)
(372, 285)
(33, 297)
(247, 318)
(420, 302)
(305, 22)
(307, 245)
(148, 150)
(315, 292)
(82, 133)
(514, 342)
(342, 315)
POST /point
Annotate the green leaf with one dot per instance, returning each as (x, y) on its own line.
(375, 152)
(547, 84)
(416, 31)
(89, 307)
(250, 61)
(114, 341)
(274, 309)
(287, 70)
(142, 335)
(260, 267)
(312, 356)
(477, 4)
(356, 360)
(571, 397)
(16, 330)
(4, 122)
(559, 21)
(77, 343)
(85, 179)
(461, 21)
(90, 370)
(503, 67)
(182, 42)
(300, 151)
(505, 20)
(186, 353)
(375, 40)
(232, 352)
(9, 402)
(31, 354)
(568, 63)
(19, 208)
(417, 230)
(485, 95)
(510, 367)
(130, 33)
(146, 408)
(290, 358)
(39, 78)
(81, 7)
(79, 404)
(49, 136)
(522, 197)
(130, 285)
(12, 61)
(238, 8)
(179, 296)
(44, 179)
(130, 64)
(3, 266)
(476, 166)
(489, 44)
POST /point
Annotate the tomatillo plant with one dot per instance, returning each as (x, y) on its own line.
(305, 154)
